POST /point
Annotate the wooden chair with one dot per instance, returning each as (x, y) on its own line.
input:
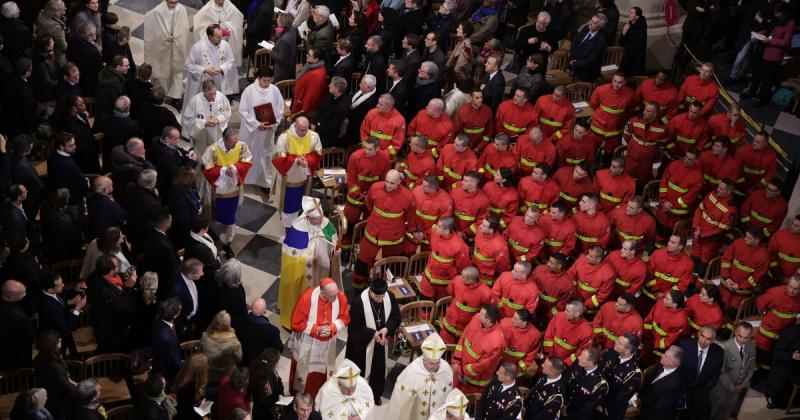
(75, 369)
(747, 310)
(69, 270)
(620, 152)
(448, 353)
(683, 228)
(523, 392)
(358, 232)
(473, 403)
(416, 266)
(89, 102)
(712, 270)
(300, 58)
(287, 91)
(440, 309)
(650, 192)
(12, 383)
(557, 73)
(189, 348)
(355, 79)
(261, 59)
(110, 371)
(122, 412)
(333, 157)
(579, 91)
(411, 313)
(398, 265)
(612, 56)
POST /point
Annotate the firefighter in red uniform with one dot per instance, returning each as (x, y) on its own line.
(715, 217)
(554, 113)
(699, 89)
(574, 182)
(498, 155)
(576, 147)
(479, 352)
(780, 306)
(514, 116)
(391, 211)
(533, 150)
(386, 124)
(469, 296)
(631, 270)
(418, 164)
(523, 341)
(538, 191)
(633, 223)
(616, 318)
(758, 162)
(525, 235)
(470, 204)
(661, 91)
(593, 278)
(515, 290)
(432, 204)
(592, 226)
(764, 209)
(668, 268)
(784, 250)
(665, 323)
(559, 230)
(717, 164)
(475, 119)
(612, 104)
(744, 264)
(490, 254)
(555, 286)
(613, 186)
(729, 124)
(503, 197)
(704, 309)
(568, 333)
(687, 130)
(365, 167)
(644, 136)
(455, 160)
(449, 255)
(679, 190)
(433, 123)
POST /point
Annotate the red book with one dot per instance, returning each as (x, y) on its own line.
(265, 113)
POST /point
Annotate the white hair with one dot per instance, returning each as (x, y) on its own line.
(10, 10)
(370, 80)
(323, 11)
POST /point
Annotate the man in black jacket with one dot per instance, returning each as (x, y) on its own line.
(17, 333)
(86, 401)
(588, 47)
(85, 54)
(376, 63)
(548, 394)
(112, 302)
(333, 112)
(12, 215)
(150, 402)
(164, 340)
(412, 18)
(181, 285)
(16, 33)
(432, 52)
(153, 116)
(64, 172)
(535, 39)
(159, 253)
(143, 204)
(345, 63)
(118, 128)
(662, 387)
(701, 367)
(622, 374)
(586, 386)
(110, 84)
(493, 84)
(362, 102)
(19, 101)
(398, 87)
(256, 333)
(23, 172)
(500, 400)
(55, 313)
(127, 162)
(426, 87)
(169, 158)
(103, 211)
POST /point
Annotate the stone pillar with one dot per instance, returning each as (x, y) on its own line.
(660, 46)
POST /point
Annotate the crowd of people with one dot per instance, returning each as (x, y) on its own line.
(596, 266)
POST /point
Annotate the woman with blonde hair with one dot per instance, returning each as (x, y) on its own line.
(223, 349)
(52, 21)
(145, 309)
(190, 386)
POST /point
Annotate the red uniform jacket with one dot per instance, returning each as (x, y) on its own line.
(469, 208)
(389, 128)
(439, 131)
(609, 324)
(310, 90)
(390, 215)
(560, 235)
(477, 124)
(449, 255)
(362, 172)
(715, 215)
(784, 253)
(571, 152)
(721, 127)
(511, 295)
(452, 166)
(745, 266)
(530, 154)
(513, 119)
(779, 311)
(611, 109)
(430, 208)
(699, 314)
(525, 242)
(479, 352)
(614, 191)
(491, 160)
(571, 190)
(417, 166)
(630, 273)
(643, 139)
(591, 229)
(467, 301)
(522, 345)
(539, 194)
(556, 290)
(716, 169)
(665, 96)
(693, 89)
(758, 167)
(490, 256)
(503, 201)
(565, 338)
(664, 326)
(555, 118)
(762, 212)
(594, 283)
(668, 272)
(640, 228)
(680, 186)
(684, 133)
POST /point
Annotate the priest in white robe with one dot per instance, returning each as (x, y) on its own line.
(205, 116)
(225, 14)
(166, 41)
(211, 58)
(346, 395)
(423, 385)
(298, 154)
(260, 136)
(455, 407)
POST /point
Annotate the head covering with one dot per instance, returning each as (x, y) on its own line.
(347, 374)
(379, 286)
(326, 281)
(457, 403)
(311, 207)
(433, 347)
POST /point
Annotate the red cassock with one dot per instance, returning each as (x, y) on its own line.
(764, 213)
(522, 345)
(594, 283)
(716, 169)
(449, 255)
(513, 119)
(511, 294)
(643, 139)
(530, 154)
(560, 235)
(780, 311)
(452, 166)
(439, 131)
(566, 339)
(784, 253)
(684, 133)
(362, 172)
(555, 118)
(492, 160)
(539, 194)
(503, 202)
(417, 166)
(758, 167)
(667, 272)
(469, 208)
(744, 265)
(430, 208)
(490, 256)
(389, 128)
(479, 352)
(631, 273)
(477, 124)
(609, 323)
(590, 230)
(310, 90)
(680, 186)
(555, 290)
(714, 217)
(571, 190)
(694, 89)
(614, 191)
(640, 228)
(666, 96)
(721, 127)
(664, 326)
(571, 152)
(699, 314)
(525, 242)
(467, 301)
(611, 111)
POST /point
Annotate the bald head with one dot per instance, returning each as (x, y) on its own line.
(301, 123)
(103, 185)
(13, 291)
(393, 180)
(258, 307)
(330, 292)
(435, 107)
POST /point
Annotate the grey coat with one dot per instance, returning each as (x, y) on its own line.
(736, 371)
(45, 25)
(85, 16)
(284, 56)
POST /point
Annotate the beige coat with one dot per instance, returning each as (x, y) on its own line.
(224, 351)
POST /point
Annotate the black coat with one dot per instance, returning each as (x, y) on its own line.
(259, 25)
(17, 336)
(111, 315)
(85, 144)
(284, 56)
(125, 169)
(64, 172)
(699, 385)
(494, 90)
(118, 130)
(525, 50)
(110, 86)
(103, 214)
(233, 300)
(635, 43)
(400, 92)
(412, 21)
(784, 369)
(23, 267)
(53, 376)
(207, 287)
(344, 68)
(329, 119)
(588, 55)
(139, 91)
(545, 400)
(420, 96)
(412, 60)
(19, 107)
(147, 409)
(23, 172)
(441, 24)
(141, 215)
(144, 315)
(159, 256)
(166, 349)
(16, 35)
(176, 287)
(83, 413)
(438, 58)
(45, 79)
(87, 57)
(610, 30)
(496, 404)
(256, 334)
(153, 118)
(624, 380)
(62, 238)
(183, 205)
(168, 161)
(376, 66)
(14, 220)
(659, 400)
(56, 315)
(356, 116)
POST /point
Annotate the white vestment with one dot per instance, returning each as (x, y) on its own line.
(261, 142)
(297, 174)
(167, 58)
(418, 392)
(195, 114)
(333, 405)
(229, 18)
(205, 55)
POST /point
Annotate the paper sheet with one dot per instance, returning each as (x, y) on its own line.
(266, 44)
(579, 105)
(334, 172)
(204, 409)
(284, 401)
(610, 67)
(418, 328)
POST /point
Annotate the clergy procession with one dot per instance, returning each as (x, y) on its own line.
(477, 213)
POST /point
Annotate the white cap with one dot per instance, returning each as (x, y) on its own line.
(347, 374)
(457, 403)
(311, 206)
(433, 347)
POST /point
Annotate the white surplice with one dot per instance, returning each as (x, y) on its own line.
(195, 114)
(205, 55)
(417, 392)
(261, 142)
(167, 58)
(228, 17)
(333, 405)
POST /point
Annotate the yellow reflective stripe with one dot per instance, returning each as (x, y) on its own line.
(561, 342)
(677, 188)
(442, 259)
(468, 347)
(585, 286)
(612, 110)
(542, 206)
(496, 210)
(387, 214)
(719, 205)
(708, 219)
(462, 216)
(551, 123)
(784, 315)
(470, 370)
(513, 353)
(353, 201)
(381, 242)
(603, 132)
(455, 331)
(477, 130)
(410, 235)
(527, 162)
(648, 294)
(451, 174)
(629, 237)
(482, 257)
(488, 169)
(354, 188)
(547, 298)
(551, 242)
(368, 178)
(475, 381)
(753, 171)
(611, 336)
(410, 175)
(426, 216)
(768, 334)
(788, 258)
(643, 143)
(665, 277)
(711, 179)
(434, 280)
(679, 211)
(622, 283)
(391, 150)
(585, 238)
(692, 323)
(572, 161)
(610, 198)
(595, 301)
(567, 197)
(512, 127)
(687, 140)
(466, 308)
(514, 244)
(511, 304)
(742, 267)
(759, 217)
(658, 329)
(381, 136)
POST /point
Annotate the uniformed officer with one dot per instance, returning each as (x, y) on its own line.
(501, 399)
(547, 396)
(585, 386)
(623, 376)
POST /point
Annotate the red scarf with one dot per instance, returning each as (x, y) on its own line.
(115, 280)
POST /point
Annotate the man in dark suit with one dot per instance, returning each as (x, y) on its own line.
(586, 386)
(15, 32)
(164, 339)
(500, 400)
(17, 333)
(623, 375)
(432, 52)
(55, 313)
(365, 99)
(302, 408)
(256, 333)
(345, 63)
(159, 252)
(86, 401)
(548, 393)
(149, 402)
(588, 47)
(182, 285)
(493, 84)
(412, 18)
(84, 53)
(19, 100)
(376, 63)
(23, 172)
(118, 128)
(103, 211)
(153, 116)
(127, 162)
(426, 87)
(398, 86)
(662, 387)
(169, 158)
(143, 204)
(412, 57)
(63, 171)
(701, 367)
(112, 302)
(333, 112)
(12, 214)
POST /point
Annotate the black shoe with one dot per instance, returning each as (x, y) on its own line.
(378, 401)
(345, 257)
